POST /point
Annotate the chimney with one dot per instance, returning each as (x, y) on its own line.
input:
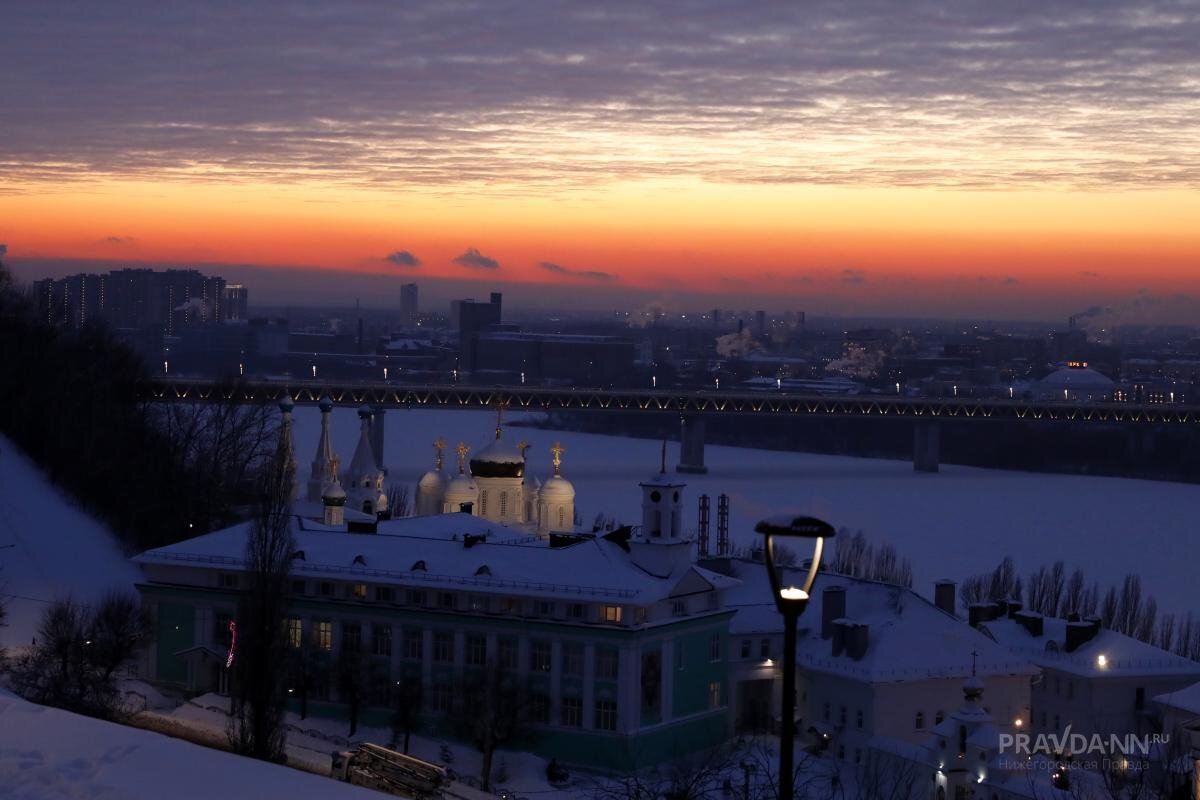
(943, 595)
(1030, 621)
(839, 637)
(1080, 633)
(833, 607)
(857, 639)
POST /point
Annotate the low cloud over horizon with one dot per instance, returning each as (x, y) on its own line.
(473, 259)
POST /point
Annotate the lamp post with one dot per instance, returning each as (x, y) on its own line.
(791, 600)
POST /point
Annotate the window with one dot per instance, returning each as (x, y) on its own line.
(298, 587)
(503, 504)
(351, 637)
(679, 608)
(643, 614)
(539, 656)
(325, 589)
(476, 649)
(381, 640)
(764, 649)
(478, 603)
(606, 715)
(572, 712)
(679, 655)
(441, 698)
(385, 594)
(506, 654)
(413, 640)
(510, 605)
(842, 716)
(919, 723)
(545, 608)
(539, 708)
(572, 659)
(714, 647)
(358, 591)
(613, 614)
(1139, 698)
(324, 635)
(221, 628)
(443, 647)
(445, 599)
(714, 694)
(483, 502)
(745, 648)
(414, 597)
(858, 718)
(938, 717)
(295, 632)
(229, 580)
(562, 516)
(606, 663)
(576, 611)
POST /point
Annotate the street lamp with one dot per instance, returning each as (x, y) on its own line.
(791, 600)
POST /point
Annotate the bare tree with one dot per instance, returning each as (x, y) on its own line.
(260, 663)
(398, 501)
(353, 682)
(491, 709)
(78, 652)
(407, 696)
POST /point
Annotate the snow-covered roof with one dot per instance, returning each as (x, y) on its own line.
(909, 637)
(516, 563)
(1186, 699)
(1077, 378)
(1122, 655)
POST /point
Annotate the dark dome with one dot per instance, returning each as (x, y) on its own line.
(498, 460)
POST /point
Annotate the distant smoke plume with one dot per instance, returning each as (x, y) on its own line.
(117, 240)
(403, 258)
(1141, 310)
(474, 259)
(736, 345)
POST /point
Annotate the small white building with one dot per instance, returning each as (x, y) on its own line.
(874, 660)
(1093, 679)
(1076, 382)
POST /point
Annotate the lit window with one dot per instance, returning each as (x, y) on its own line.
(295, 632)
(612, 614)
(359, 591)
(325, 635)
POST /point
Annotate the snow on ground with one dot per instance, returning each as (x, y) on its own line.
(960, 521)
(49, 753)
(49, 548)
(312, 742)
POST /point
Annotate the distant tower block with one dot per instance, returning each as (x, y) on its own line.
(702, 536)
(723, 524)
(691, 445)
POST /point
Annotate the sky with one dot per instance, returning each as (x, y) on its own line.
(1011, 160)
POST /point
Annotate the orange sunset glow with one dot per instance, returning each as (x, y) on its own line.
(747, 170)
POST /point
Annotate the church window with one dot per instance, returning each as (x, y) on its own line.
(919, 723)
(657, 524)
(655, 496)
(367, 507)
(528, 511)
(675, 497)
(561, 516)
(504, 504)
(483, 502)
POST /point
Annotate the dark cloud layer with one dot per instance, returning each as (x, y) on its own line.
(530, 93)
(473, 259)
(403, 258)
(586, 274)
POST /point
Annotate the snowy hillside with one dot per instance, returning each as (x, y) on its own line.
(49, 548)
(48, 753)
(960, 521)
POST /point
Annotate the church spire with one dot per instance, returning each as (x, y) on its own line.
(325, 455)
(286, 445)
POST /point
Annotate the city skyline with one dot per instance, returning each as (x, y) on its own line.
(1018, 163)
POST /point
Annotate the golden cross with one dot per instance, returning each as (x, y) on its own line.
(523, 445)
(439, 444)
(462, 451)
(557, 450)
(501, 404)
(334, 463)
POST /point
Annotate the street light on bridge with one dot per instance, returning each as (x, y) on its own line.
(791, 600)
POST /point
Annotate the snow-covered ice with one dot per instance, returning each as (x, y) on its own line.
(954, 523)
(49, 548)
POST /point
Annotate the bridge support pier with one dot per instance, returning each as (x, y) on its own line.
(377, 435)
(691, 445)
(927, 437)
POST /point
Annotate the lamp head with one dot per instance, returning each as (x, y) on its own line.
(789, 598)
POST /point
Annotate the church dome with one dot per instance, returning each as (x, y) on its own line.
(1076, 379)
(557, 488)
(333, 494)
(462, 487)
(326, 403)
(286, 403)
(498, 460)
(434, 480)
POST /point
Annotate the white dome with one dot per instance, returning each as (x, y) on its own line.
(462, 487)
(557, 488)
(434, 480)
(333, 491)
(1076, 379)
